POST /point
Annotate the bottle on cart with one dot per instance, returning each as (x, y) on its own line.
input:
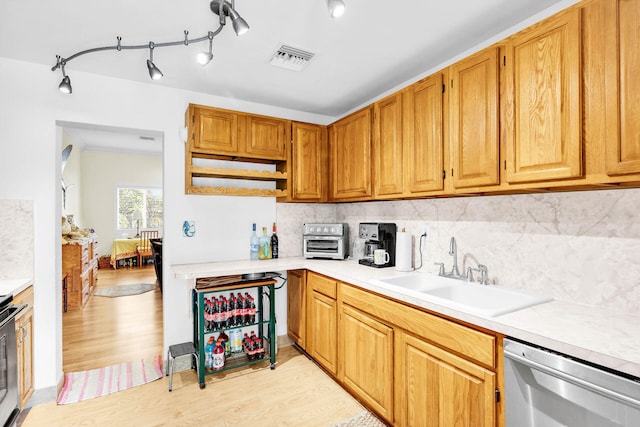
(255, 243)
(231, 311)
(235, 337)
(208, 354)
(265, 245)
(224, 338)
(239, 310)
(218, 356)
(274, 243)
(251, 307)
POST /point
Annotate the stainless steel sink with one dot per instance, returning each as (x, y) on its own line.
(487, 300)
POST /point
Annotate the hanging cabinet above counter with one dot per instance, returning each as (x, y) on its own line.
(233, 153)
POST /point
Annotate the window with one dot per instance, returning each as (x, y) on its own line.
(138, 205)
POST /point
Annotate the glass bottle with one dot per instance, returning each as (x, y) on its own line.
(274, 243)
(265, 245)
(255, 243)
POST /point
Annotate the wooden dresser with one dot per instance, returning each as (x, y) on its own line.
(80, 266)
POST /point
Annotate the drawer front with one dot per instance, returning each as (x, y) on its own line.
(469, 343)
(322, 284)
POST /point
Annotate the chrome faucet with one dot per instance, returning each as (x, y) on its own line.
(453, 251)
(484, 274)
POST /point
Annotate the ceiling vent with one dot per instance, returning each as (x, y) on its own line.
(290, 58)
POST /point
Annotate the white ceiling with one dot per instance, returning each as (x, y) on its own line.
(376, 46)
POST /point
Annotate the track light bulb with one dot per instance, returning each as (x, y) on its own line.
(204, 58)
(65, 85)
(336, 8)
(154, 72)
(240, 26)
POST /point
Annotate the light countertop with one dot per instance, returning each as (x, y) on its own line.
(14, 286)
(597, 335)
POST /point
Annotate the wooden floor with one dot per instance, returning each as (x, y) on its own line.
(107, 331)
(113, 330)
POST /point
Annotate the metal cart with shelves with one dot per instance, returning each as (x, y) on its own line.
(264, 317)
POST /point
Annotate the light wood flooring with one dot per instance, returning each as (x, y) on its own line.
(114, 330)
(107, 331)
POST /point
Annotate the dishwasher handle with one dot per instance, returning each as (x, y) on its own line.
(603, 391)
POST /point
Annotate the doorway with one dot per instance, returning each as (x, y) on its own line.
(103, 160)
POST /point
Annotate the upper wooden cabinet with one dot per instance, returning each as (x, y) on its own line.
(542, 109)
(473, 126)
(308, 171)
(423, 120)
(267, 137)
(214, 130)
(224, 132)
(388, 147)
(216, 134)
(622, 85)
(350, 157)
(409, 141)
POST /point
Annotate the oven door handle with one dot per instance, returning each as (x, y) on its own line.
(18, 309)
(603, 391)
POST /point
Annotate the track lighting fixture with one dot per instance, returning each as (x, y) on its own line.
(154, 72)
(222, 8)
(336, 8)
(65, 84)
(204, 58)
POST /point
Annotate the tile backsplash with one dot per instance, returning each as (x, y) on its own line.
(577, 246)
(16, 239)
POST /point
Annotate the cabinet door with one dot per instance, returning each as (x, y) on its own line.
(296, 306)
(309, 162)
(350, 161)
(366, 365)
(267, 137)
(214, 131)
(322, 330)
(423, 136)
(544, 119)
(622, 86)
(24, 340)
(474, 120)
(437, 388)
(387, 147)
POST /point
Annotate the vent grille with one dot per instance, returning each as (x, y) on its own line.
(290, 58)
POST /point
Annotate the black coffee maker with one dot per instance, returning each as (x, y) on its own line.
(378, 235)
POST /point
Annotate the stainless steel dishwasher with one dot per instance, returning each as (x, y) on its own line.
(547, 389)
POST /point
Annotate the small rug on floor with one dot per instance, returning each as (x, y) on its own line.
(363, 419)
(79, 386)
(125, 290)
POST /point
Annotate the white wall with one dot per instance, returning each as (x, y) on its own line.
(30, 152)
(102, 173)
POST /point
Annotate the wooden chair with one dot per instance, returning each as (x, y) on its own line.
(144, 246)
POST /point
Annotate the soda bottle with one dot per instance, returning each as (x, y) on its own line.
(231, 312)
(251, 308)
(239, 310)
(208, 354)
(218, 356)
(216, 314)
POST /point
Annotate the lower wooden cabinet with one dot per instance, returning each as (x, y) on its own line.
(322, 321)
(24, 345)
(437, 388)
(366, 359)
(409, 366)
(296, 307)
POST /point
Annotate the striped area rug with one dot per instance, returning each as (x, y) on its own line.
(79, 386)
